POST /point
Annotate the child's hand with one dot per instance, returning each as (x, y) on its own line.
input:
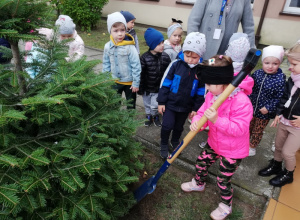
(264, 110)
(192, 114)
(134, 89)
(211, 114)
(296, 122)
(275, 122)
(194, 126)
(161, 109)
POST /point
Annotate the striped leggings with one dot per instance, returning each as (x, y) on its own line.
(227, 167)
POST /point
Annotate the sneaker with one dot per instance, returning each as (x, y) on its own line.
(221, 212)
(273, 148)
(148, 122)
(156, 121)
(202, 144)
(192, 186)
(252, 152)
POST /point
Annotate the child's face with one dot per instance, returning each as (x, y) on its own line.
(191, 57)
(215, 89)
(270, 65)
(118, 32)
(66, 36)
(159, 48)
(176, 37)
(294, 66)
(130, 24)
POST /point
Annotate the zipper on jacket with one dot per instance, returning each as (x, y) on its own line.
(292, 108)
(259, 94)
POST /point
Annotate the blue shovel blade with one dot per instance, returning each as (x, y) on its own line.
(146, 188)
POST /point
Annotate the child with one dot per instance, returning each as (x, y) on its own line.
(120, 57)
(228, 135)
(130, 19)
(67, 31)
(237, 50)
(287, 141)
(181, 92)
(173, 45)
(268, 88)
(154, 62)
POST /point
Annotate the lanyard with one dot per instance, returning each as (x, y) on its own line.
(221, 12)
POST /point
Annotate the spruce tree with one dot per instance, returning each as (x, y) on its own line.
(66, 149)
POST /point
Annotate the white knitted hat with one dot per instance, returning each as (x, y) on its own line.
(195, 42)
(273, 51)
(66, 25)
(114, 18)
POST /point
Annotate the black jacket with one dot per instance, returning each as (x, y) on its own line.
(294, 108)
(153, 68)
(181, 90)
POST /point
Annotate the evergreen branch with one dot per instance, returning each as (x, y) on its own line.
(13, 15)
(31, 157)
(81, 209)
(29, 200)
(8, 188)
(68, 185)
(11, 201)
(82, 165)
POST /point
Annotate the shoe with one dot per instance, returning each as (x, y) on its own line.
(252, 152)
(164, 152)
(192, 186)
(273, 148)
(221, 212)
(149, 120)
(156, 121)
(274, 167)
(282, 178)
(202, 144)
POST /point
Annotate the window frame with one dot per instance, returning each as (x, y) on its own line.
(290, 10)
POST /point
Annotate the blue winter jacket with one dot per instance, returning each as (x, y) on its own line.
(181, 91)
(267, 92)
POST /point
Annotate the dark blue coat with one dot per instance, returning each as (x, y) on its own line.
(267, 92)
(4, 43)
(181, 90)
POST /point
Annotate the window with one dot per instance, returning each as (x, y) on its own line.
(292, 7)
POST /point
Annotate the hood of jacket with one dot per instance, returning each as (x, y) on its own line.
(128, 40)
(247, 84)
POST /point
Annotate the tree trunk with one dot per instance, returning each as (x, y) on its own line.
(18, 66)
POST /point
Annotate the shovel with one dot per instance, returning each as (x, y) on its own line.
(249, 63)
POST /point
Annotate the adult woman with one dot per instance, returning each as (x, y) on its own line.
(218, 20)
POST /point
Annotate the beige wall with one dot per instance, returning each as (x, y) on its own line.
(276, 29)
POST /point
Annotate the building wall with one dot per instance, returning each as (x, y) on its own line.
(276, 29)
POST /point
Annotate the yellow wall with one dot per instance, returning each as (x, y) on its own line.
(277, 29)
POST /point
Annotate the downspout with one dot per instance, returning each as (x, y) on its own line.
(261, 20)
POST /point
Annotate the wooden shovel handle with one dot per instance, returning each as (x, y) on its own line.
(187, 139)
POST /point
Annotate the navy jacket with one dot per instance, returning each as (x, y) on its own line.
(181, 91)
(266, 92)
(4, 43)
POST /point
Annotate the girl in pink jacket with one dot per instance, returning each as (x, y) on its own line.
(228, 136)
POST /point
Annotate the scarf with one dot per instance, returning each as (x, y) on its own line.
(177, 48)
(296, 80)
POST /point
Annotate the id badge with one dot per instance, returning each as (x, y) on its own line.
(217, 34)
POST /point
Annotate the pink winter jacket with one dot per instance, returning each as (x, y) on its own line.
(229, 136)
(76, 47)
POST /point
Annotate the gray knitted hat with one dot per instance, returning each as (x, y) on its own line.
(195, 42)
(66, 25)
